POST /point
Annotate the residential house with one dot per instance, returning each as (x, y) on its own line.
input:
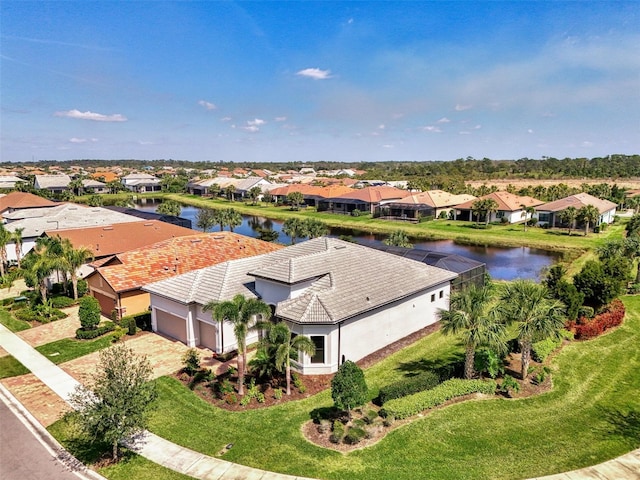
(511, 207)
(54, 183)
(94, 186)
(8, 182)
(117, 283)
(219, 184)
(141, 182)
(365, 200)
(424, 204)
(549, 213)
(36, 221)
(22, 200)
(351, 300)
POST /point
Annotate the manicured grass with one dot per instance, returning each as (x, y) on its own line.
(11, 322)
(590, 416)
(137, 467)
(11, 367)
(67, 349)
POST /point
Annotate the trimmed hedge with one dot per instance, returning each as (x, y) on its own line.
(62, 302)
(400, 408)
(142, 321)
(542, 349)
(95, 333)
(408, 386)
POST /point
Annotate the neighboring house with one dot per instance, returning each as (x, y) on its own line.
(104, 176)
(36, 221)
(109, 240)
(424, 204)
(141, 182)
(241, 185)
(351, 300)
(510, 207)
(365, 200)
(94, 186)
(22, 200)
(549, 213)
(8, 182)
(117, 283)
(54, 183)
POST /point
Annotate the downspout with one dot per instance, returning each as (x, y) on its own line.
(339, 344)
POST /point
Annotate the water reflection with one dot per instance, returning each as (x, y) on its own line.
(502, 263)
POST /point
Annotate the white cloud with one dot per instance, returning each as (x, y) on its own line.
(82, 140)
(255, 122)
(207, 105)
(280, 119)
(145, 142)
(431, 128)
(96, 117)
(225, 119)
(443, 120)
(530, 130)
(477, 127)
(381, 126)
(387, 145)
(464, 132)
(251, 129)
(461, 108)
(587, 144)
(315, 73)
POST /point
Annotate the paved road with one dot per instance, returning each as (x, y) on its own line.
(26, 451)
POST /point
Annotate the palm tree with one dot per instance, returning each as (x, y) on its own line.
(477, 209)
(537, 316)
(254, 193)
(43, 259)
(527, 213)
(295, 199)
(239, 313)
(315, 228)
(229, 191)
(16, 236)
(294, 227)
(490, 206)
(5, 237)
(469, 316)
(569, 216)
(72, 260)
(233, 218)
(589, 215)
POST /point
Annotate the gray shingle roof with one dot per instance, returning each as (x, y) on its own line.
(346, 279)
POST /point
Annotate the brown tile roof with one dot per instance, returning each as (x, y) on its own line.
(436, 199)
(578, 201)
(507, 202)
(296, 187)
(121, 237)
(374, 194)
(108, 176)
(17, 200)
(332, 191)
(180, 255)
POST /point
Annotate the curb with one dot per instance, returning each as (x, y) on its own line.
(54, 448)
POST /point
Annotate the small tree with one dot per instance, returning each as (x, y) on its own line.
(115, 405)
(206, 219)
(191, 361)
(254, 193)
(348, 387)
(169, 207)
(398, 238)
(89, 313)
(295, 199)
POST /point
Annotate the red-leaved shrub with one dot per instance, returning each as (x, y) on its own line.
(586, 328)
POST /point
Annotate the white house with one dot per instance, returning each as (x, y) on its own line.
(549, 213)
(351, 300)
(141, 182)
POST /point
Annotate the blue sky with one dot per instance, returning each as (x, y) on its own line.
(311, 81)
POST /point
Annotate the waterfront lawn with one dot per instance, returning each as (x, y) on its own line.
(590, 416)
(67, 349)
(11, 322)
(11, 367)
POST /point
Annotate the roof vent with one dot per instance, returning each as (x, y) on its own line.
(196, 240)
(108, 228)
(148, 224)
(218, 237)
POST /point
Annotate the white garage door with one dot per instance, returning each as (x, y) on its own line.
(172, 325)
(208, 336)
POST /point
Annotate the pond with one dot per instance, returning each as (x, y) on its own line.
(502, 263)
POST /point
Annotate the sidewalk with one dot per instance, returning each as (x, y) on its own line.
(198, 465)
(150, 446)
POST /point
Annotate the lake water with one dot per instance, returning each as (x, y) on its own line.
(502, 263)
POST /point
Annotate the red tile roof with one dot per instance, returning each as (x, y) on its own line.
(374, 194)
(17, 200)
(121, 237)
(180, 255)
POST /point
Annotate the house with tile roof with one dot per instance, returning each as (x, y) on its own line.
(8, 182)
(141, 182)
(22, 200)
(54, 183)
(117, 284)
(510, 207)
(549, 213)
(351, 300)
(420, 205)
(216, 186)
(365, 200)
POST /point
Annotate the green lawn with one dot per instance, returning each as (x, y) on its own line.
(11, 367)
(67, 349)
(591, 415)
(11, 322)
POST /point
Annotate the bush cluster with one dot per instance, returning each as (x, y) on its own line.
(337, 432)
(95, 333)
(62, 302)
(354, 435)
(29, 315)
(542, 349)
(408, 386)
(586, 328)
(413, 404)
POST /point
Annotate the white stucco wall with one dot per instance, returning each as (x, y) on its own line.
(272, 292)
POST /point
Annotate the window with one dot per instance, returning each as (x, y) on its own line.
(318, 341)
(441, 293)
(433, 297)
(544, 217)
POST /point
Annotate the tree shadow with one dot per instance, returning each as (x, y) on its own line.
(448, 366)
(625, 424)
(324, 413)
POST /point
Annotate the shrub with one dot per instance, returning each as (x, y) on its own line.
(89, 313)
(489, 362)
(82, 334)
(277, 394)
(62, 302)
(408, 386)
(586, 311)
(370, 417)
(131, 326)
(542, 349)
(143, 321)
(404, 407)
(612, 317)
(348, 387)
(337, 432)
(354, 435)
(83, 287)
(230, 398)
(191, 361)
(509, 385)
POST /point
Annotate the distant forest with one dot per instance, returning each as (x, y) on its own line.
(454, 171)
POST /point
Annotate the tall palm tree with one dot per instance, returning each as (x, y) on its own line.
(233, 218)
(477, 209)
(72, 260)
(294, 227)
(536, 316)
(315, 228)
(40, 263)
(589, 215)
(569, 216)
(527, 212)
(5, 237)
(239, 313)
(490, 206)
(16, 236)
(469, 316)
